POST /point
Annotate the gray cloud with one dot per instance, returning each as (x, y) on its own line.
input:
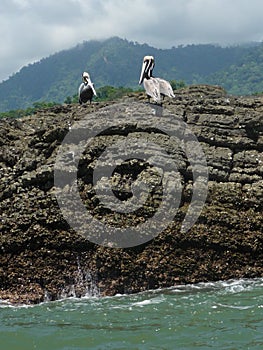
(32, 29)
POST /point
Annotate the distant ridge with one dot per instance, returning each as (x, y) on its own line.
(117, 62)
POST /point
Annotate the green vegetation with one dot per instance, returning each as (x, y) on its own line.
(105, 93)
(244, 78)
(17, 113)
(177, 84)
(116, 62)
(109, 93)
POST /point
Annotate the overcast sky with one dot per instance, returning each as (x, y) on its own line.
(33, 29)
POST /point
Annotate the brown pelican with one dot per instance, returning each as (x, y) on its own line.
(86, 89)
(150, 84)
(154, 87)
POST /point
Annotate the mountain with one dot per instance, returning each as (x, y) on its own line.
(117, 62)
(243, 78)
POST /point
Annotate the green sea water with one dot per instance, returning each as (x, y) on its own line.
(221, 315)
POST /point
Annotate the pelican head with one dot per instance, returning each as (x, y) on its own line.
(147, 67)
(85, 77)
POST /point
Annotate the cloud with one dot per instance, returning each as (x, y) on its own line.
(32, 29)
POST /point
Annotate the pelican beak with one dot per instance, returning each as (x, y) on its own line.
(93, 89)
(144, 66)
(88, 81)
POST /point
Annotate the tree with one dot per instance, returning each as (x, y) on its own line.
(177, 84)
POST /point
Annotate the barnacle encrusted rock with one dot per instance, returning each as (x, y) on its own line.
(42, 257)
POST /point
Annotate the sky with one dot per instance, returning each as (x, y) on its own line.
(33, 29)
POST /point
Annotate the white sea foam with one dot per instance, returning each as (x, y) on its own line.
(184, 292)
(145, 302)
(237, 307)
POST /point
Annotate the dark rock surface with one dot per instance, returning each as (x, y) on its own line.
(42, 257)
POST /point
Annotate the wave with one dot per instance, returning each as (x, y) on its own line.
(149, 297)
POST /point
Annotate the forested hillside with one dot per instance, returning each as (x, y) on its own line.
(117, 62)
(243, 78)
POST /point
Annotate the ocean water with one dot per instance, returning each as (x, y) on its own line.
(221, 315)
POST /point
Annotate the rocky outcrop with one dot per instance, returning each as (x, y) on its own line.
(43, 257)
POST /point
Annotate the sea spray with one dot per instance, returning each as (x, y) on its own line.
(84, 284)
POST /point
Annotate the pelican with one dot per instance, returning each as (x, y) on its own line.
(86, 89)
(150, 84)
(154, 87)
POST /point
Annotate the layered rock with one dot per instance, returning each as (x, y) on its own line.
(43, 257)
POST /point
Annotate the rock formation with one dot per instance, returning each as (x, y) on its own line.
(43, 257)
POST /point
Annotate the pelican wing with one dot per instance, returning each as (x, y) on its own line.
(165, 87)
(85, 93)
(152, 88)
